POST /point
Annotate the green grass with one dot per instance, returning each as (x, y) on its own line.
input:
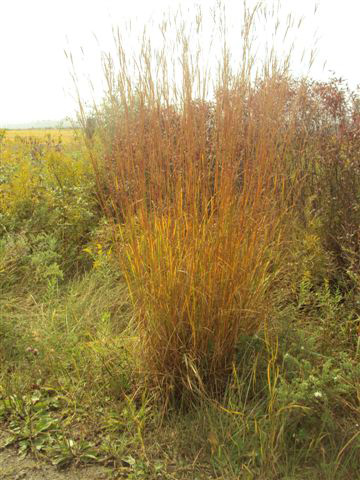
(70, 392)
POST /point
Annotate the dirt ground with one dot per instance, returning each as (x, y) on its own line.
(14, 468)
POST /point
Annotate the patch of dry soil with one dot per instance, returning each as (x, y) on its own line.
(14, 468)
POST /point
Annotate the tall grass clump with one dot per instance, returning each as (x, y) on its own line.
(189, 160)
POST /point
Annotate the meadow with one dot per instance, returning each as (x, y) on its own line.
(66, 135)
(179, 279)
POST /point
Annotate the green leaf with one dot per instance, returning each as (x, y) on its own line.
(130, 460)
(44, 424)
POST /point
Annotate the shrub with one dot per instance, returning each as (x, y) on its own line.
(45, 190)
(329, 128)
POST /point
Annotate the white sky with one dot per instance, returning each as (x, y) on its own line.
(35, 80)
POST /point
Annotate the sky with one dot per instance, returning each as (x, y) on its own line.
(36, 80)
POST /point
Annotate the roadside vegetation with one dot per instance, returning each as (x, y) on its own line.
(179, 280)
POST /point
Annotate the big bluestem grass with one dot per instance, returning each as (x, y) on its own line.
(195, 185)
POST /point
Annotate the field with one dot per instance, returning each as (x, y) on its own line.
(179, 282)
(67, 135)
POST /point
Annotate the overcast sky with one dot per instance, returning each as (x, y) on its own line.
(35, 80)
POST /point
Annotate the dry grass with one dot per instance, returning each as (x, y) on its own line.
(197, 191)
